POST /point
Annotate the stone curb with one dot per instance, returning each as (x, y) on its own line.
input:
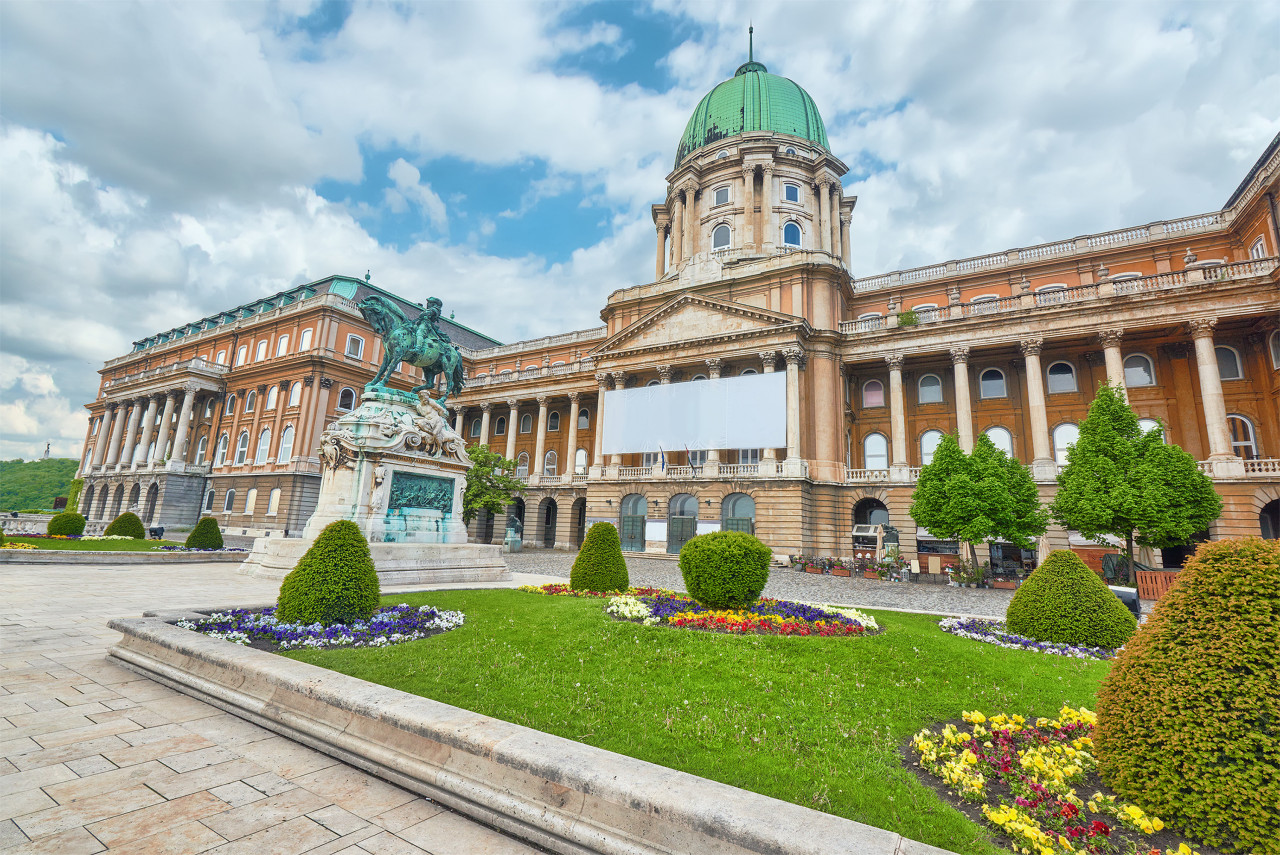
(568, 797)
(82, 556)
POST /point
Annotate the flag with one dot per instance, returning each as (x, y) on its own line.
(662, 457)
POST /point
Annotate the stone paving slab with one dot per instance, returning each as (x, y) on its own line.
(94, 757)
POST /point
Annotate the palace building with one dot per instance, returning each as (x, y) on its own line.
(752, 276)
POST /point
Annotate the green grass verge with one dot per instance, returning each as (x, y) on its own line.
(814, 721)
(94, 545)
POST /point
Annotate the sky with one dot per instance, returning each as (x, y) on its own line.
(163, 161)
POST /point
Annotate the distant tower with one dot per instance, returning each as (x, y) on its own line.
(46, 451)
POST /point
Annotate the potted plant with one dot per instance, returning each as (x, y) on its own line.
(839, 568)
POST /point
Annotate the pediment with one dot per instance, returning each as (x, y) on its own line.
(691, 318)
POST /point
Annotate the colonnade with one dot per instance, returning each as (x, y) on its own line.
(128, 429)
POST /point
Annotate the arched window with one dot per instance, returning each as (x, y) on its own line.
(1001, 439)
(791, 192)
(1274, 340)
(870, 512)
(208, 500)
(553, 421)
(475, 427)
(522, 464)
(991, 384)
(1228, 363)
(242, 353)
(584, 419)
(221, 457)
(746, 371)
(347, 399)
(873, 394)
(208, 407)
(930, 389)
(221, 358)
(229, 503)
(1062, 377)
(264, 447)
(273, 502)
(500, 426)
(580, 462)
(1064, 436)
(549, 463)
(698, 377)
(1269, 520)
(928, 445)
(250, 401)
(242, 447)
(295, 394)
(722, 193)
(273, 396)
(282, 346)
(261, 353)
(201, 447)
(1243, 442)
(1148, 425)
(738, 513)
(304, 340)
(875, 452)
(250, 500)
(286, 445)
(723, 154)
(231, 405)
(526, 423)
(791, 234)
(720, 237)
(1138, 371)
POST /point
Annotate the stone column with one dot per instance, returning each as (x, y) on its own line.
(597, 455)
(824, 214)
(314, 414)
(131, 433)
(845, 252)
(117, 430)
(898, 464)
(184, 424)
(1226, 463)
(770, 230)
(1043, 466)
(677, 229)
(793, 355)
(768, 360)
(484, 422)
(104, 434)
(837, 192)
(690, 220)
(659, 264)
(86, 459)
(166, 420)
(570, 467)
(148, 429)
(748, 206)
(1110, 340)
(458, 416)
(619, 382)
(540, 448)
(664, 374)
(712, 466)
(964, 410)
(513, 415)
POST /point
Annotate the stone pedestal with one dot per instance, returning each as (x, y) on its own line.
(396, 469)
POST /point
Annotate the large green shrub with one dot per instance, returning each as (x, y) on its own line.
(600, 565)
(334, 582)
(725, 569)
(206, 535)
(1189, 715)
(67, 523)
(1066, 602)
(127, 524)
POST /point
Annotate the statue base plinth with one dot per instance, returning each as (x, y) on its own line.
(396, 563)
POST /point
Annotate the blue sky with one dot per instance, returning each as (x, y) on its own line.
(163, 161)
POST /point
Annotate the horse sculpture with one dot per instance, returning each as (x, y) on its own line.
(416, 342)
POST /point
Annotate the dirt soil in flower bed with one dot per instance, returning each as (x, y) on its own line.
(1121, 837)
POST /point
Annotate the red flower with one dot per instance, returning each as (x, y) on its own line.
(1098, 827)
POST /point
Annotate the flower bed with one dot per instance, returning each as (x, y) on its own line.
(10, 545)
(1024, 777)
(994, 632)
(196, 549)
(388, 626)
(559, 589)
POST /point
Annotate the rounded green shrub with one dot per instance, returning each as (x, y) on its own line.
(127, 524)
(67, 523)
(600, 565)
(334, 582)
(1064, 601)
(725, 569)
(1189, 715)
(206, 535)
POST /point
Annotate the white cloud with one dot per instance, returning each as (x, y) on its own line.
(410, 188)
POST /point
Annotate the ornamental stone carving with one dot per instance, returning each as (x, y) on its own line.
(960, 355)
(664, 373)
(769, 358)
(602, 379)
(486, 407)
(308, 380)
(793, 355)
(1110, 338)
(715, 363)
(1031, 346)
(326, 383)
(895, 361)
(1202, 327)
(381, 425)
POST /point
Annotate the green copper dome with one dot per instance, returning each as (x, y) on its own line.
(752, 100)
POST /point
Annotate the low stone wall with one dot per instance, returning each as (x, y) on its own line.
(396, 563)
(78, 556)
(565, 796)
(39, 524)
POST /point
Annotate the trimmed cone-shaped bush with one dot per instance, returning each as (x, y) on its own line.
(600, 565)
(1066, 602)
(1189, 715)
(335, 582)
(206, 535)
(725, 569)
(127, 524)
(67, 523)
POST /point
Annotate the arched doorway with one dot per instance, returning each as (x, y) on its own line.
(1175, 556)
(515, 517)
(102, 502)
(135, 494)
(870, 512)
(1269, 520)
(485, 527)
(153, 497)
(579, 511)
(738, 513)
(631, 529)
(682, 521)
(113, 507)
(87, 504)
(547, 514)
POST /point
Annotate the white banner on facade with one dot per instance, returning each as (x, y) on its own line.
(729, 412)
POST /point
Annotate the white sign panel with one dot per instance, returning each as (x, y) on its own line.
(729, 412)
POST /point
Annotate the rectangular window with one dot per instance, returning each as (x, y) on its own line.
(722, 195)
(748, 455)
(355, 346)
(791, 192)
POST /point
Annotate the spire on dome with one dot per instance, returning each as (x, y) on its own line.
(750, 64)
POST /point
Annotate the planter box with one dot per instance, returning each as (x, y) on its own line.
(840, 571)
(813, 569)
(870, 574)
(1005, 584)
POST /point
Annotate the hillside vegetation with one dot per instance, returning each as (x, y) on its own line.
(27, 484)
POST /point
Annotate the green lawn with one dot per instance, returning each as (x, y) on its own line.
(94, 545)
(815, 721)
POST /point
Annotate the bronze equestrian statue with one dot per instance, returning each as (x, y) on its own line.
(417, 342)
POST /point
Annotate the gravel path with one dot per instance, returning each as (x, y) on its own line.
(788, 584)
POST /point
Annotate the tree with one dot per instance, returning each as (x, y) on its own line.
(490, 485)
(978, 498)
(35, 484)
(1122, 482)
